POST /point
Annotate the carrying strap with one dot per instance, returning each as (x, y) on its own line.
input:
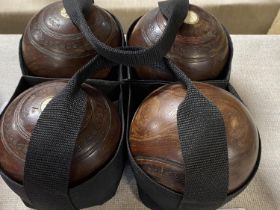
(204, 147)
(200, 124)
(52, 144)
(174, 10)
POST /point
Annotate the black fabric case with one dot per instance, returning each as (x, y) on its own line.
(128, 92)
(102, 186)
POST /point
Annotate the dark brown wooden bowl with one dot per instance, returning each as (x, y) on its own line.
(53, 46)
(201, 47)
(96, 144)
(154, 140)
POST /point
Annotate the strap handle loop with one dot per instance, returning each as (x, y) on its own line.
(174, 10)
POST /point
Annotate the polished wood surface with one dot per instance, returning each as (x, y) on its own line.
(154, 140)
(96, 144)
(200, 48)
(54, 47)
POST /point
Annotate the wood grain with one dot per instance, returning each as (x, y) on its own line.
(200, 48)
(154, 140)
(54, 47)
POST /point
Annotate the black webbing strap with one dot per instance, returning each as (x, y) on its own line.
(52, 144)
(174, 10)
(204, 148)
